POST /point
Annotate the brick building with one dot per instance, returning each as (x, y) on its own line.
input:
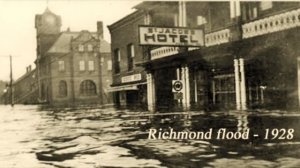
(248, 48)
(72, 67)
(129, 80)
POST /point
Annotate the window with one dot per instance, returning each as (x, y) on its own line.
(147, 19)
(81, 66)
(91, 66)
(250, 10)
(61, 65)
(130, 55)
(109, 65)
(88, 88)
(90, 47)
(117, 60)
(201, 20)
(80, 47)
(264, 5)
(62, 89)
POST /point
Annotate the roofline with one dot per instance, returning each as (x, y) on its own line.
(124, 19)
(24, 76)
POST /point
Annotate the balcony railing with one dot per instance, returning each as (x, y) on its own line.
(271, 24)
(214, 38)
(218, 37)
(163, 52)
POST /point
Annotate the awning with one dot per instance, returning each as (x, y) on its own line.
(125, 87)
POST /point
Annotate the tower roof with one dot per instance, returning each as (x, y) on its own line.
(48, 11)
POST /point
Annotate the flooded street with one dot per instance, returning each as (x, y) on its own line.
(33, 137)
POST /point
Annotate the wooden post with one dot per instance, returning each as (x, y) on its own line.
(11, 83)
(150, 92)
(298, 73)
(237, 85)
(243, 85)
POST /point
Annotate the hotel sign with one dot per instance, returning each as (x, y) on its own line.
(131, 78)
(174, 36)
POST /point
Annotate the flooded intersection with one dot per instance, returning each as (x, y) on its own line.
(85, 137)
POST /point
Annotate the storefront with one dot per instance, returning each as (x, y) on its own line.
(131, 93)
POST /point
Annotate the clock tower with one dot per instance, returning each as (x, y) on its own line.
(47, 27)
(47, 23)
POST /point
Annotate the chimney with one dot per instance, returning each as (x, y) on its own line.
(100, 29)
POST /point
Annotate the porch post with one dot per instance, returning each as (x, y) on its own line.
(298, 74)
(150, 92)
(186, 87)
(237, 85)
(243, 85)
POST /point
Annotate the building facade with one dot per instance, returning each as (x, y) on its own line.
(129, 80)
(72, 67)
(249, 59)
(25, 89)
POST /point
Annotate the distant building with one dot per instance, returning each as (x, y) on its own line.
(25, 89)
(72, 67)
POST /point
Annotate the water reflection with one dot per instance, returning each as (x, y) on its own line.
(93, 137)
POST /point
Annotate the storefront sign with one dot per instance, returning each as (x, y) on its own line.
(177, 85)
(175, 36)
(177, 89)
(131, 78)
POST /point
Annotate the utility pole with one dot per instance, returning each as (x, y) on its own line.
(11, 83)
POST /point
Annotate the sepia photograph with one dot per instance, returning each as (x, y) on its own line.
(149, 84)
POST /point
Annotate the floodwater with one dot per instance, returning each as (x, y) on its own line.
(101, 138)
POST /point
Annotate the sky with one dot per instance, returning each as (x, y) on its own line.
(18, 35)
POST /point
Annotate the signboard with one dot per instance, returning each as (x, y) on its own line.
(131, 78)
(178, 95)
(177, 88)
(170, 36)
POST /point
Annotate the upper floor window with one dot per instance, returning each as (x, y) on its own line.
(163, 19)
(201, 20)
(117, 60)
(81, 65)
(90, 47)
(80, 47)
(130, 56)
(91, 66)
(147, 19)
(250, 10)
(264, 5)
(61, 65)
(109, 65)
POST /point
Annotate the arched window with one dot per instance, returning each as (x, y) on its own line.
(63, 90)
(88, 88)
